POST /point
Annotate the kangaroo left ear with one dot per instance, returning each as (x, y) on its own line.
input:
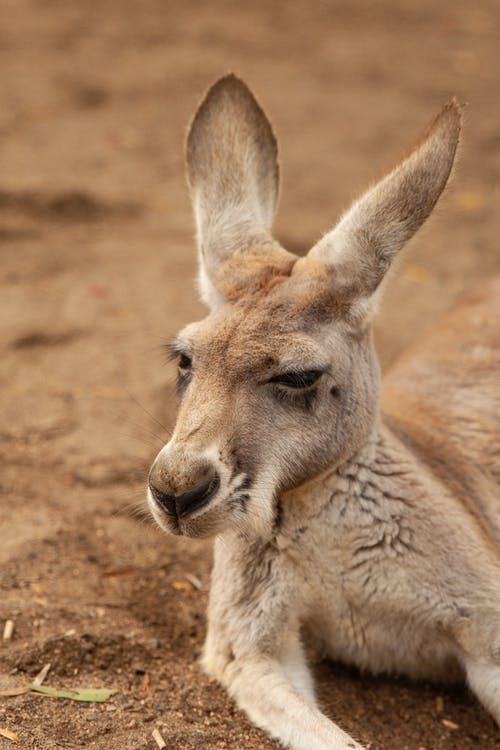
(233, 174)
(361, 248)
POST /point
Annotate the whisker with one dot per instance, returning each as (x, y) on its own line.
(136, 512)
(126, 418)
(140, 438)
(156, 421)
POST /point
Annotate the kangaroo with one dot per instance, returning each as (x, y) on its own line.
(376, 531)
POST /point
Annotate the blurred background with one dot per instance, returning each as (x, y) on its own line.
(96, 274)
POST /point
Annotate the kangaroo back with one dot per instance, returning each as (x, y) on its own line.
(443, 397)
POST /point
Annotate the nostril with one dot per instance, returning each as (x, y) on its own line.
(195, 498)
(199, 496)
(164, 500)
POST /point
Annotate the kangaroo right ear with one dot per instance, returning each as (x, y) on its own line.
(363, 245)
(233, 175)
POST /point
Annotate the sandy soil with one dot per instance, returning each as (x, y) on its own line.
(96, 272)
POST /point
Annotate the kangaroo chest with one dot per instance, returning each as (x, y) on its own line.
(354, 600)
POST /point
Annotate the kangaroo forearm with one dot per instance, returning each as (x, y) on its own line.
(261, 688)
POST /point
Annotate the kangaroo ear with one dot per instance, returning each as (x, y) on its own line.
(361, 248)
(233, 176)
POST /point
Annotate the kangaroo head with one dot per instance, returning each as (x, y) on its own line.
(280, 381)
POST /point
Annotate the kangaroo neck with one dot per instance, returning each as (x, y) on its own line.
(380, 470)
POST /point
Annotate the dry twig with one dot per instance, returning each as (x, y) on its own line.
(159, 739)
(41, 675)
(194, 580)
(12, 692)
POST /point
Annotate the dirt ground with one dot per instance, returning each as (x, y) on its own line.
(96, 273)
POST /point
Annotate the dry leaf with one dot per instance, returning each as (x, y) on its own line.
(85, 695)
(10, 735)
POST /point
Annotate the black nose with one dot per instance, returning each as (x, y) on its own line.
(189, 501)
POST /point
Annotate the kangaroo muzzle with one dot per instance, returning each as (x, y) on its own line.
(181, 484)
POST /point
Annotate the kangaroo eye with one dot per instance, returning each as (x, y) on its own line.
(185, 362)
(184, 372)
(304, 379)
